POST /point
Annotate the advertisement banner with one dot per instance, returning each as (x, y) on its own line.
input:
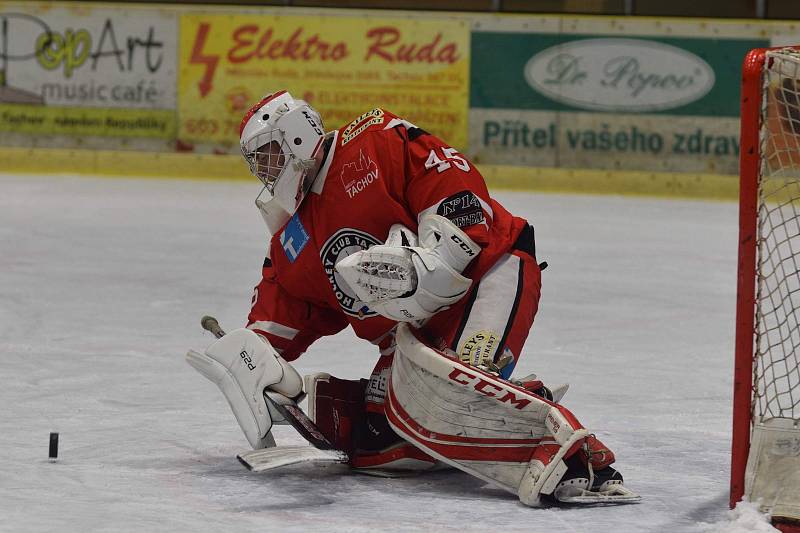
(344, 66)
(82, 70)
(607, 101)
(609, 93)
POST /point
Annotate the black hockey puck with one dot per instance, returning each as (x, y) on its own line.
(53, 446)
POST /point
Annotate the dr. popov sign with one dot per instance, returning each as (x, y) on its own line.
(627, 75)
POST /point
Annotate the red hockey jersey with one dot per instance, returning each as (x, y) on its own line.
(380, 170)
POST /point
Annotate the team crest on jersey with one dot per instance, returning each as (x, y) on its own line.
(339, 245)
(356, 176)
(360, 124)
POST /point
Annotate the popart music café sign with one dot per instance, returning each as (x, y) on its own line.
(95, 71)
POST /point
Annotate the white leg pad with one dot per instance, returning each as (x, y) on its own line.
(477, 422)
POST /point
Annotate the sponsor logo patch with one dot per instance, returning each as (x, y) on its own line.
(344, 242)
(356, 176)
(360, 124)
(462, 209)
(376, 388)
(479, 348)
(294, 238)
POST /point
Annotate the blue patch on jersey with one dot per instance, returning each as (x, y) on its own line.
(294, 238)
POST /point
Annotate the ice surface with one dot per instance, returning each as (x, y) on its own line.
(103, 283)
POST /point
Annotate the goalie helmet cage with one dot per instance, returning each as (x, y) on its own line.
(766, 401)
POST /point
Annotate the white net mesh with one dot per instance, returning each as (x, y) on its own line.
(776, 369)
(773, 465)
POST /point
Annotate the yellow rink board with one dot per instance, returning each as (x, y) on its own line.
(231, 167)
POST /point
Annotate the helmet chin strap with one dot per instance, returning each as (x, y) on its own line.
(314, 165)
(304, 164)
(322, 154)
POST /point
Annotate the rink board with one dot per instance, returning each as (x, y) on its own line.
(230, 167)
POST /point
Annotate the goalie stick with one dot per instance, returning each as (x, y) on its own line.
(270, 458)
(320, 453)
(280, 456)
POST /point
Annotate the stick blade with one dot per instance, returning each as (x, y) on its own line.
(278, 457)
(298, 419)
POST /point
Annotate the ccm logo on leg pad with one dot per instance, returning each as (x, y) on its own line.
(487, 388)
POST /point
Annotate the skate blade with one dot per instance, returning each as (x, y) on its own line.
(616, 494)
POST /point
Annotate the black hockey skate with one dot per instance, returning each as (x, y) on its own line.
(582, 485)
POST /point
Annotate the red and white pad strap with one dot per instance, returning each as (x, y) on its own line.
(477, 422)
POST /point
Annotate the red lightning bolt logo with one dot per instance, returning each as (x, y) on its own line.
(198, 57)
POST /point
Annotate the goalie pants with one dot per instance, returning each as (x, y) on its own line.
(497, 315)
(493, 319)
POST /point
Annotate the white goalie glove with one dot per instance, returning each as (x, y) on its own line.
(410, 281)
(242, 364)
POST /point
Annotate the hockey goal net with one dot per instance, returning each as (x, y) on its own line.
(766, 414)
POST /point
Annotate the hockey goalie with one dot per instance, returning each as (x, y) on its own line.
(385, 228)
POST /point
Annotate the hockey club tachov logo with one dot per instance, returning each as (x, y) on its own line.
(356, 176)
(338, 246)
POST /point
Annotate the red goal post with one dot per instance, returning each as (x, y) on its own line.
(766, 401)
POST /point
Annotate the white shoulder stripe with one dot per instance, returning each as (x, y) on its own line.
(399, 122)
(273, 328)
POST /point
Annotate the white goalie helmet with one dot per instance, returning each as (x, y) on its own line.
(281, 138)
